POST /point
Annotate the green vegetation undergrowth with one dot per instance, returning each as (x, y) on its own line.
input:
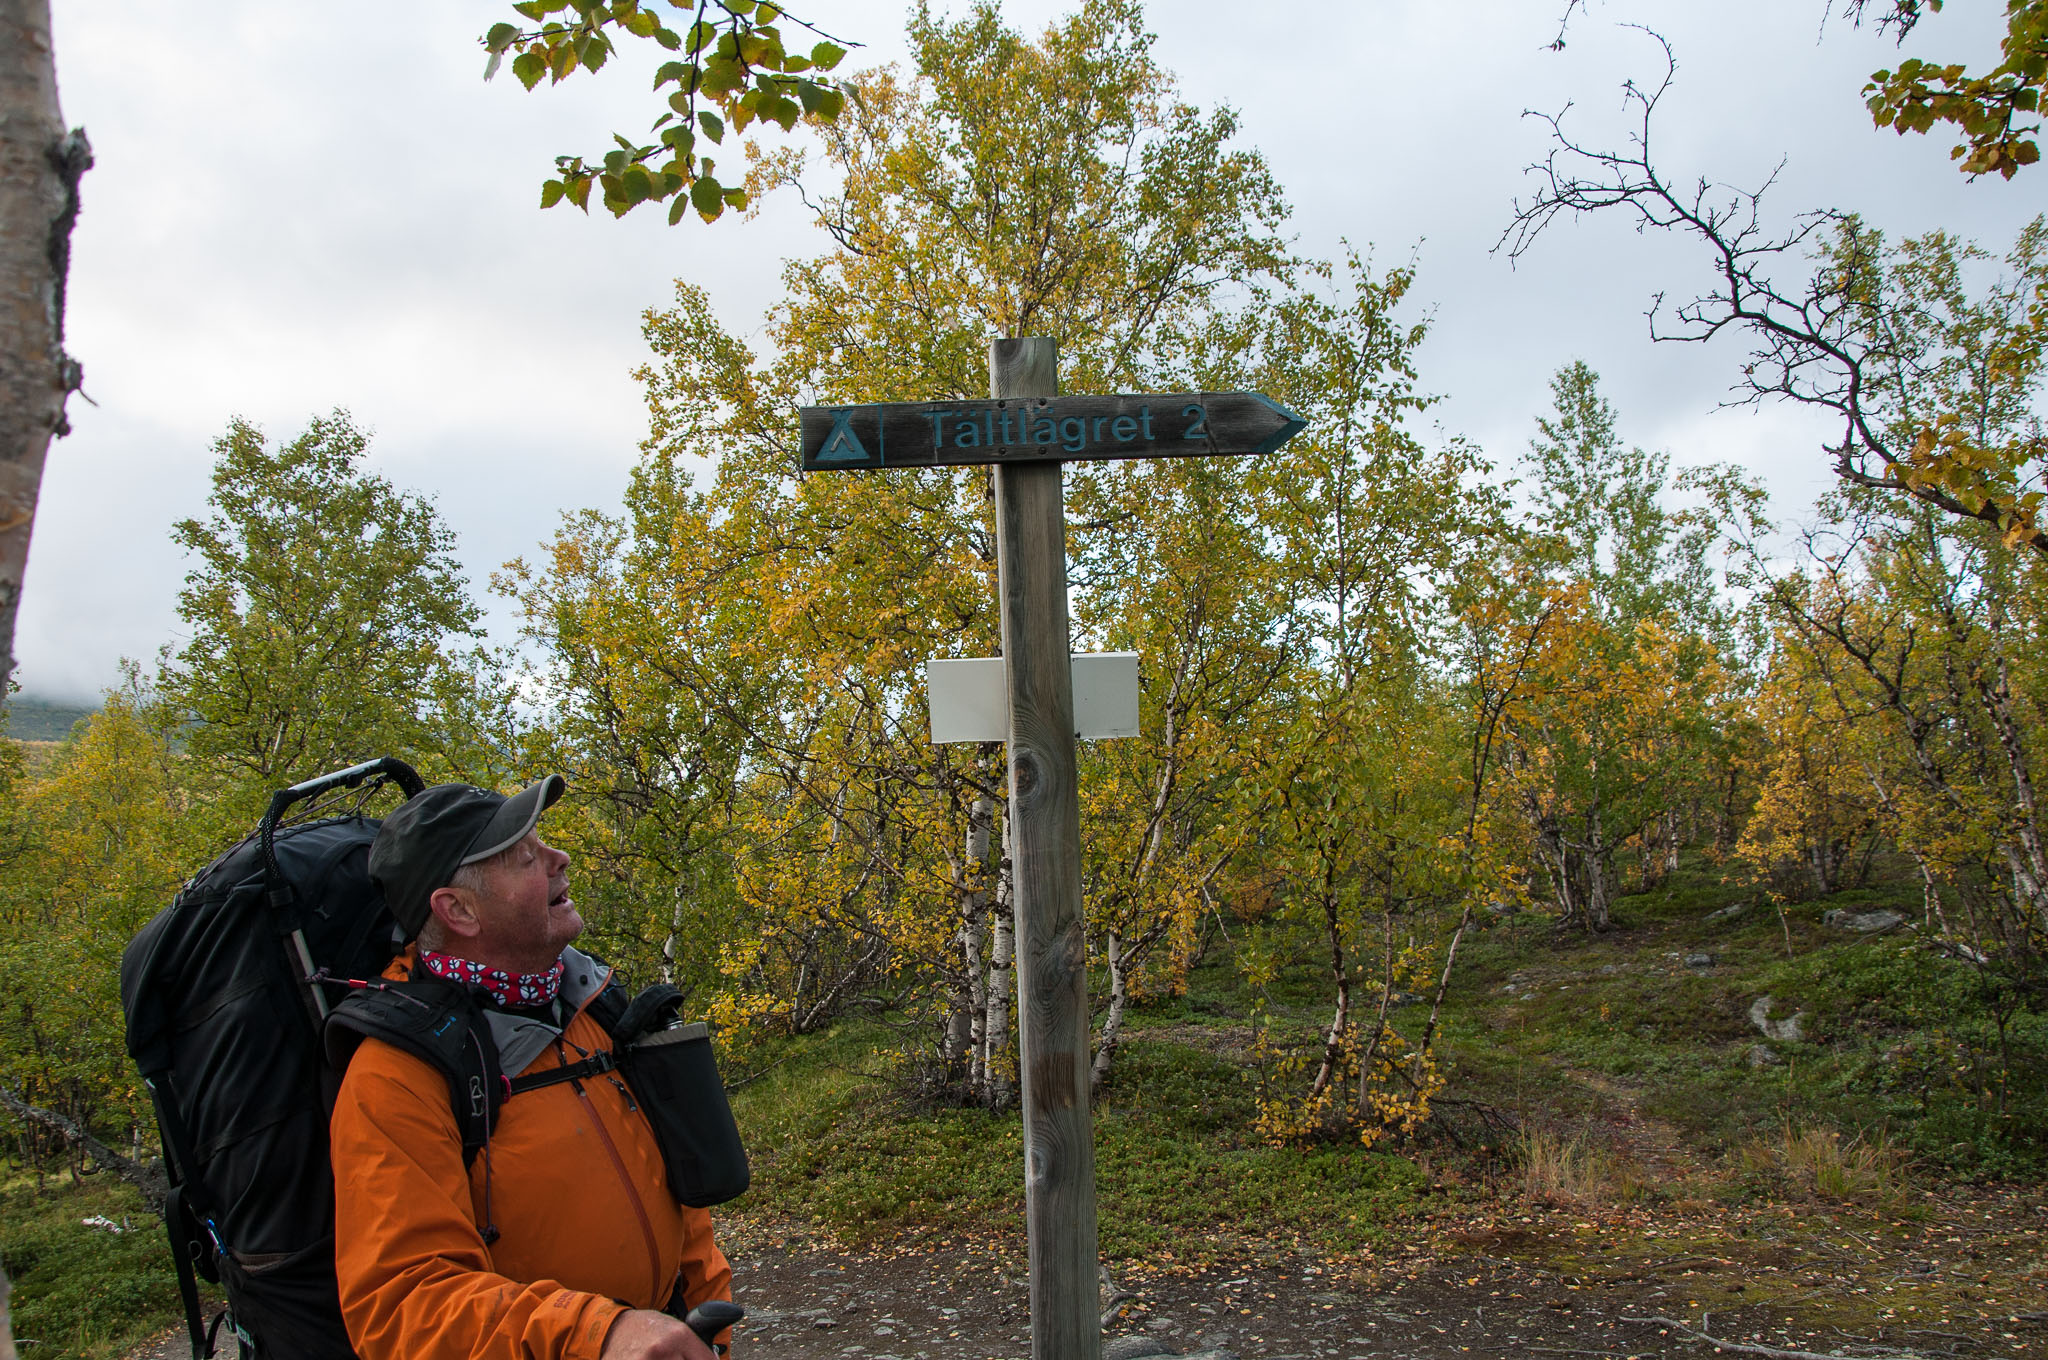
(1652, 1020)
(1619, 1048)
(84, 1291)
(1179, 1176)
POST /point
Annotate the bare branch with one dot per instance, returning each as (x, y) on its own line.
(1821, 339)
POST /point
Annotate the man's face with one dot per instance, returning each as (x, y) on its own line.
(525, 912)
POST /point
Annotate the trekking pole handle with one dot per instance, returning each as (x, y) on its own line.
(711, 1317)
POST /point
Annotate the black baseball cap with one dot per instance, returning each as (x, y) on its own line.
(438, 830)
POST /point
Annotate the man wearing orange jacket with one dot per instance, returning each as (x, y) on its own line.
(560, 1239)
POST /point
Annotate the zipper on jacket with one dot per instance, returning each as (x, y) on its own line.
(632, 1193)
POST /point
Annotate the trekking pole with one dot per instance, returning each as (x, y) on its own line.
(710, 1318)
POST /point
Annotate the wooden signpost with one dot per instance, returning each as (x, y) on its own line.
(1028, 430)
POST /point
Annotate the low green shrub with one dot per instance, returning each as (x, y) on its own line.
(84, 1292)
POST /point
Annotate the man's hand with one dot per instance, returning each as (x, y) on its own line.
(644, 1335)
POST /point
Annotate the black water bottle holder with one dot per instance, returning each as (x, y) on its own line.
(674, 1077)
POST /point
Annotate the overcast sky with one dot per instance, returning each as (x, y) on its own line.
(302, 207)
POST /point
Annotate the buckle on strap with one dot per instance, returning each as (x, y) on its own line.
(595, 1065)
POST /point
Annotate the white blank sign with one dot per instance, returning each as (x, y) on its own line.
(969, 702)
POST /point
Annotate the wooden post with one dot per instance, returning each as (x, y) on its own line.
(1045, 822)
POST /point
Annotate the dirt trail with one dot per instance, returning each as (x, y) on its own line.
(1492, 1291)
(1654, 1145)
(1962, 1274)
(1533, 1284)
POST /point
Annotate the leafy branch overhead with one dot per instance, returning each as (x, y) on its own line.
(732, 70)
(1989, 108)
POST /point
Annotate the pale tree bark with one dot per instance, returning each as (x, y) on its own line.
(996, 1065)
(1113, 1021)
(1340, 970)
(965, 1007)
(1128, 952)
(1369, 1058)
(973, 907)
(1340, 1019)
(680, 899)
(1597, 852)
(2024, 852)
(40, 165)
(956, 1049)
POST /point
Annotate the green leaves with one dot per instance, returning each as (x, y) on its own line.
(820, 102)
(735, 71)
(529, 67)
(1988, 109)
(707, 198)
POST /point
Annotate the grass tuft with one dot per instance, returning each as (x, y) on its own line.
(1822, 1163)
(1551, 1169)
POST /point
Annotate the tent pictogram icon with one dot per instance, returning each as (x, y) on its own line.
(842, 445)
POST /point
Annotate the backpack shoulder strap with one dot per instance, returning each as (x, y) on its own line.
(437, 1023)
(608, 1007)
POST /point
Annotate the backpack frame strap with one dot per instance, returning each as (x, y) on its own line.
(184, 1221)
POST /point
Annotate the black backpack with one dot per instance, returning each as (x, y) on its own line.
(224, 1011)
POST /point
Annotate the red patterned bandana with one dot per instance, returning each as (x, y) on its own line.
(527, 989)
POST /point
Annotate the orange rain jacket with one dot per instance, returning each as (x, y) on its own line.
(572, 1179)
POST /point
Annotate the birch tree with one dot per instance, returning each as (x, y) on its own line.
(40, 166)
(1607, 737)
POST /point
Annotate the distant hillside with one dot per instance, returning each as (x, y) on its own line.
(37, 720)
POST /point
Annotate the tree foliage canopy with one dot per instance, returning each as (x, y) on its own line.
(323, 611)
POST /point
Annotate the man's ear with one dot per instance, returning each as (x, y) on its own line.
(456, 911)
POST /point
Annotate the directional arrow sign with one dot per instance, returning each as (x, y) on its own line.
(1042, 429)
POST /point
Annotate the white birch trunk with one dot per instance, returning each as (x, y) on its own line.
(39, 170)
(675, 928)
(996, 1062)
(1596, 875)
(1113, 1021)
(2028, 857)
(973, 911)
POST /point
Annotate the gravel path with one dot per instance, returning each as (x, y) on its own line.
(1971, 1285)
